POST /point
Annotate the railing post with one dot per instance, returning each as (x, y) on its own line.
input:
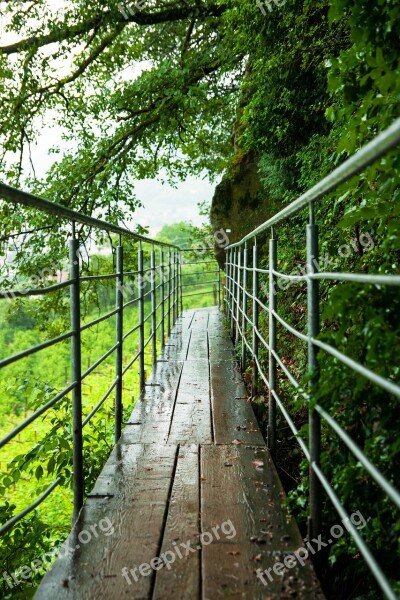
(162, 290)
(119, 340)
(141, 318)
(238, 295)
(219, 286)
(75, 309)
(181, 280)
(173, 287)
(314, 528)
(227, 281)
(176, 309)
(153, 307)
(244, 306)
(272, 345)
(233, 291)
(254, 381)
(169, 293)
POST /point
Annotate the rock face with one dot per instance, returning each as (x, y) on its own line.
(238, 202)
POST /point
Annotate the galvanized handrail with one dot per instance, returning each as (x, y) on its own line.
(165, 299)
(26, 199)
(237, 299)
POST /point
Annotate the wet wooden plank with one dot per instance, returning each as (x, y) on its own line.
(137, 512)
(182, 579)
(177, 345)
(233, 415)
(240, 488)
(220, 344)
(191, 422)
(198, 347)
(151, 417)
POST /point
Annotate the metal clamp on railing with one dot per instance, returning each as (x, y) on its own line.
(239, 300)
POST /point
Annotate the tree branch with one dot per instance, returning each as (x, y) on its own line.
(140, 18)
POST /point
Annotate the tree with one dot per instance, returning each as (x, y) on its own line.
(131, 92)
(151, 94)
(179, 234)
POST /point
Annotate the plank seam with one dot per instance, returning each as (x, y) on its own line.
(191, 320)
(188, 346)
(175, 399)
(165, 519)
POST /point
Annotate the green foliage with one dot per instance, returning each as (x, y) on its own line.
(323, 79)
(302, 88)
(179, 234)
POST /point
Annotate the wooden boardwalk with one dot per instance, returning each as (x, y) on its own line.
(188, 505)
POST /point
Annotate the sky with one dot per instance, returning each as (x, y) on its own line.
(163, 204)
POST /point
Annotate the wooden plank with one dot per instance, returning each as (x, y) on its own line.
(153, 411)
(182, 580)
(225, 575)
(137, 512)
(233, 415)
(215, 317)
(177, 344)
(198, 347)
(236, 491)
(220, 344)
(191, 422)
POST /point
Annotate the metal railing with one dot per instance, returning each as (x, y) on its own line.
(189, 278)
(162, 278)
(243, 309)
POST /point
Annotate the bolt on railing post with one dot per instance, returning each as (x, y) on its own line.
(141, 318)
(244, 308)
(254, 380)
(233, 291)
(313, 417)
(169, 293)
(272, 345)
(153, 307)
(162, 293)
(238, 294)
(119, 340)
(75, 310)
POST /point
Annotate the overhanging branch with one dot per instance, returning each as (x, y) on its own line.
(140, 18)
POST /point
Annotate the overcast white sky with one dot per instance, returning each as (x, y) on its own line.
(162, 204)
